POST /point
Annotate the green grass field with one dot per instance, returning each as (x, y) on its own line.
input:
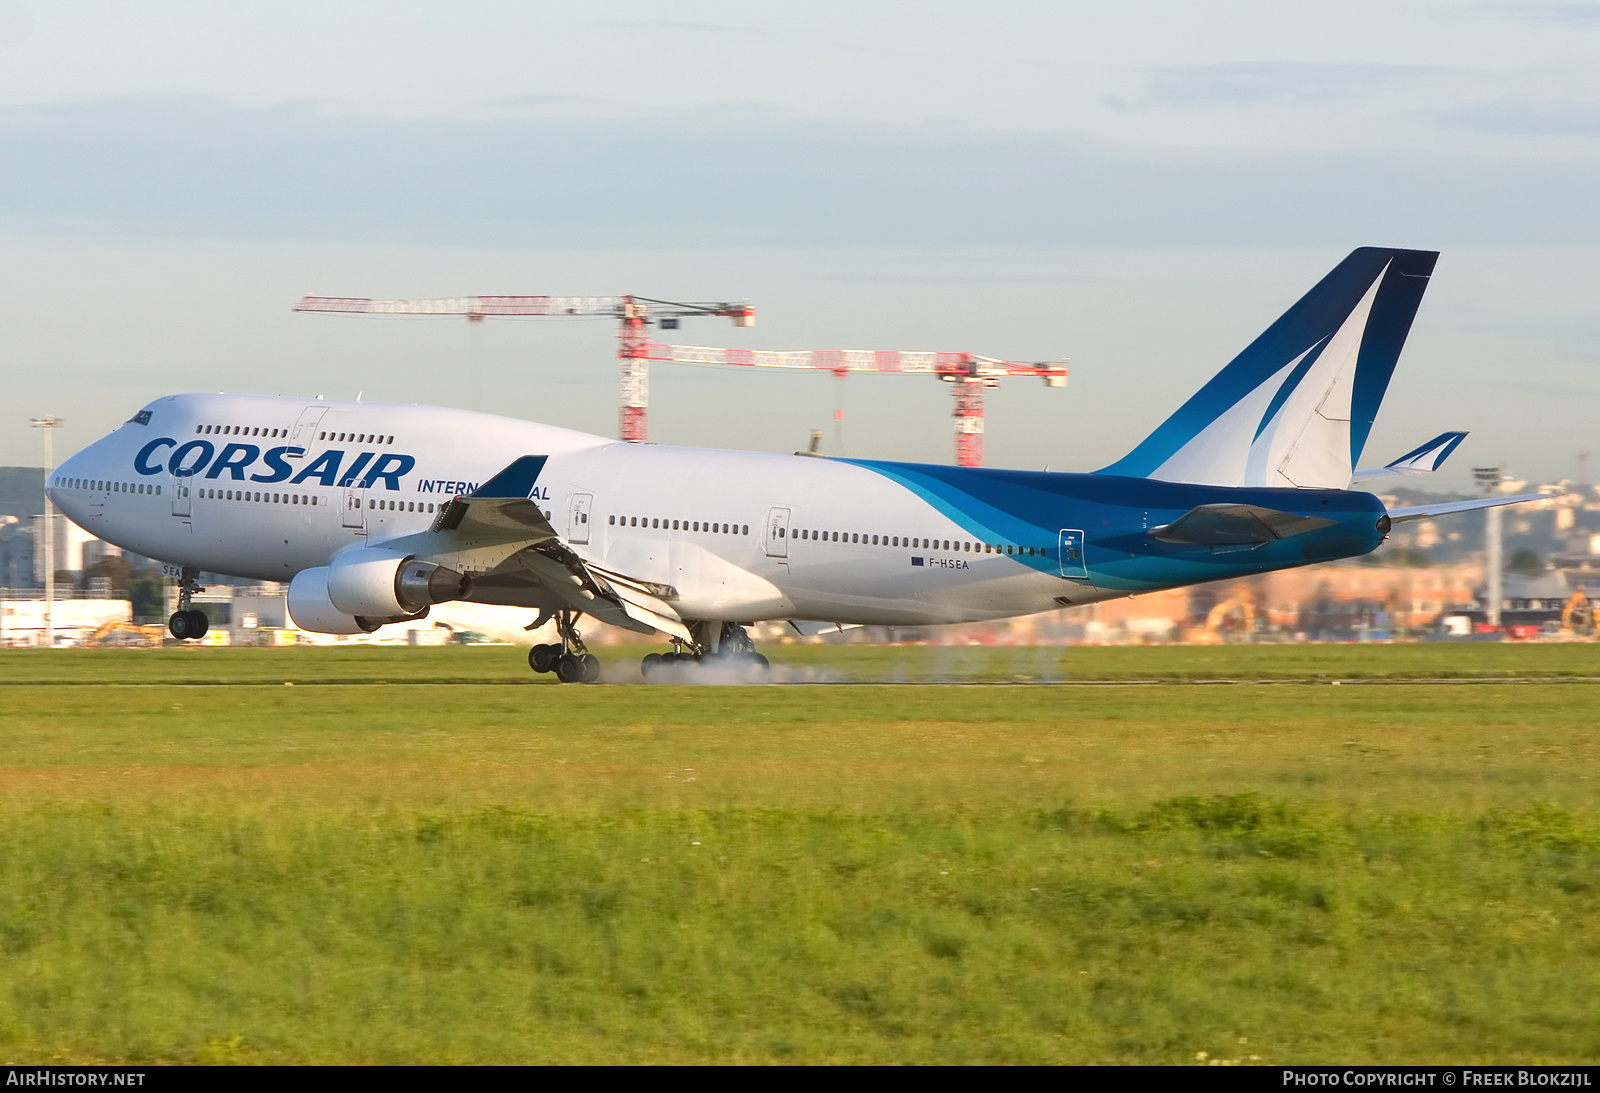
(431, 855)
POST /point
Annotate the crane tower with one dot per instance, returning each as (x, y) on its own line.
(968, 374)
(634, 314)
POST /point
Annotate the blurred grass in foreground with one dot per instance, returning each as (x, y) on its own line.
(1234, 925)
(492, 873)
(825, 663)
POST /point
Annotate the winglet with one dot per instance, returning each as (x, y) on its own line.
(1423, 460)
(516, 481)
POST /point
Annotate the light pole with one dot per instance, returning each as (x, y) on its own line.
(49, 423)
(1488, 479)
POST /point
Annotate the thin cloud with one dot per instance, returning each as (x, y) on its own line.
(1257, 81)
(177, 167)
(1525, 119)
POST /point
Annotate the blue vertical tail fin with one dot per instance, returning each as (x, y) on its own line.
(1295, 408)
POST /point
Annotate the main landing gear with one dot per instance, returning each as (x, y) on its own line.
(569, 658)
(186, 623)
(726, 655)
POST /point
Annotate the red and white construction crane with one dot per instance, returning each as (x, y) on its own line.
(969, 375)
(634, 313)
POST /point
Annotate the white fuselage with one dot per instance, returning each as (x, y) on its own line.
(265, 487)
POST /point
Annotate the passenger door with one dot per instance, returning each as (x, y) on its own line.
(578, 517)
(775, 533)
(179, 488)
(353, 507)
(305, 429)
(1072, 564)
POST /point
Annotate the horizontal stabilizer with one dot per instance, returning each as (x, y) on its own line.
(1424, 460)
(1235, 526)
(1424, 512)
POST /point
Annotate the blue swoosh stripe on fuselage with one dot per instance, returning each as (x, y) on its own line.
(1114, 511)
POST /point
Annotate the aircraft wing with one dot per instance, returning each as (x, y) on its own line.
(499, 532)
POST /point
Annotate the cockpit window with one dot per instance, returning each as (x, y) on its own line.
(141, 418)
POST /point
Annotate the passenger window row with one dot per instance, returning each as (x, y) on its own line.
(679, 525)
(954, 546)
(400, 506)
(238, 430)
(357, 438)
(107, 487)
(255, 495)
(249, 430)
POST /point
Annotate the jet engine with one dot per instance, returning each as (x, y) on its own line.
(366, 588)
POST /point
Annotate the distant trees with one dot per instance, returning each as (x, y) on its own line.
(1527, 563)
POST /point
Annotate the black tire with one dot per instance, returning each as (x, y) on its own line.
(652, 664)
(542, 658)
(569, 669)
(760, 661)
(179, 625)
(588, 668)
(200, 624)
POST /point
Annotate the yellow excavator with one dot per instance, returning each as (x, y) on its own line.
(1242, 602)
(150, 635)
(1580, 618)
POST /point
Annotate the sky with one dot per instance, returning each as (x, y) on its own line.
(1138, 187)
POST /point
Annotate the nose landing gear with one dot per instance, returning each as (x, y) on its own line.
(187, 624)
(569, 659)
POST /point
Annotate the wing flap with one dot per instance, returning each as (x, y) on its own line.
(645, 602)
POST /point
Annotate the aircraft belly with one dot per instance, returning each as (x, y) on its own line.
(708, 585)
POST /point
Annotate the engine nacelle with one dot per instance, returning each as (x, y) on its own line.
(381, 584)
(367, 588)
(311, 609)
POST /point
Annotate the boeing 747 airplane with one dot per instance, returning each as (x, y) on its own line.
(375, 512)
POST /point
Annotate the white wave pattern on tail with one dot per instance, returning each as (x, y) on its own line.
(1306, 443)
(1218, 453)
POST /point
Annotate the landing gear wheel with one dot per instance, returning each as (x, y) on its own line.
(542, 658)
(652, 664)
(569, 669)
(188, 625)
(588, 668)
